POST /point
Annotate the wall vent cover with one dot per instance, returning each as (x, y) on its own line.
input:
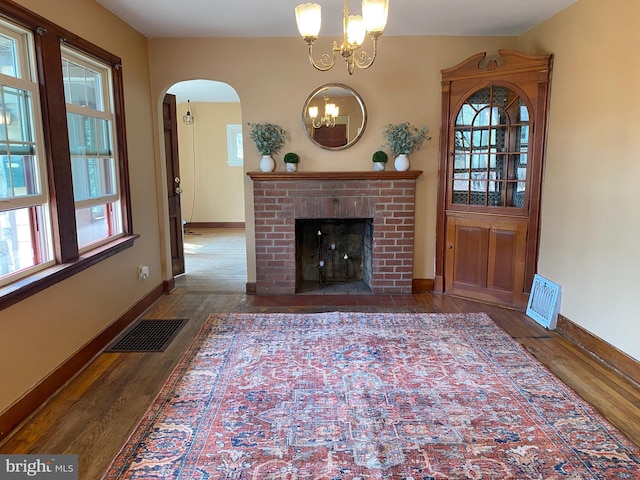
(544, 302)
(148, 336)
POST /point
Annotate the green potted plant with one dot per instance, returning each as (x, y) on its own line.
(269, 139)
(379, 159)
(291, 160)
(402, 139)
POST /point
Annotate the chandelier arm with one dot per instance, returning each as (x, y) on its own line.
(365, 61)
(323, 64)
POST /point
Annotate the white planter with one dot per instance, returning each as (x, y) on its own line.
(291, 167)
(401, 163)
(267, 164)
(378, 166)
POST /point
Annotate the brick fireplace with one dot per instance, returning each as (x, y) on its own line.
(386, 198)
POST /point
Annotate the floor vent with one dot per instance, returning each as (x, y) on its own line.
(544, 302)
(148, 336)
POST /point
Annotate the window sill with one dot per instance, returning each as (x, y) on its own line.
(24, 288)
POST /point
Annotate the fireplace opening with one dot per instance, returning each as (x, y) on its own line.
(334, 254)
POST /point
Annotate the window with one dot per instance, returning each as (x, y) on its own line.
(25, 240)
(64, 189)
(234, 145)
(93, 162)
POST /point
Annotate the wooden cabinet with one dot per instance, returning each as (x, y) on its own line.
(491, 148)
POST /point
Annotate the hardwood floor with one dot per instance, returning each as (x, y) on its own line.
(94, 414)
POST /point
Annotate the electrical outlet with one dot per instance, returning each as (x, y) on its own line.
(143, 272)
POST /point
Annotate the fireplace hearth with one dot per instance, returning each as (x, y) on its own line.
(367, 216)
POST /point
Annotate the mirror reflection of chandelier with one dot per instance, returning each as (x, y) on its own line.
(355, 28)
(331, 112)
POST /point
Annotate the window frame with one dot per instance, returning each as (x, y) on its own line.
(49, 40)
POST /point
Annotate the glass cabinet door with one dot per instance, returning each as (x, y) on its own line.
(490, 148)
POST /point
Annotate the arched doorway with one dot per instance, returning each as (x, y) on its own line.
(205, 184)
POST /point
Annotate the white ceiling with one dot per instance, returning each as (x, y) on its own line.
(276, 18)
(203, 91)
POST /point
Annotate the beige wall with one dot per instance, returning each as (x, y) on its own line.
(273, 79)
(39, 334)
(212, 191)
(590, 213)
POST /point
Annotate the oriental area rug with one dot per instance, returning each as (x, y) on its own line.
(362, 396)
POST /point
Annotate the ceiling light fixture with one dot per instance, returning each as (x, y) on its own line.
(331, 112)
(355, 28)
(188, 119)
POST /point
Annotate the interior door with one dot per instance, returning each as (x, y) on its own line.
(174, 189)
(492, 145)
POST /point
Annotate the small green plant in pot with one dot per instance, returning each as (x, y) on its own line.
(291, 160)
(403, 139)
(269, 139)
(379, 159)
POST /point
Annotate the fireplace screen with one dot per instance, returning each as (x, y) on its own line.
(334, 253)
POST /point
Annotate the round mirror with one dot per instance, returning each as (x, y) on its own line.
(334, 116)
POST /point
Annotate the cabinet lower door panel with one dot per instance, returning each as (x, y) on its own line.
(485, 259)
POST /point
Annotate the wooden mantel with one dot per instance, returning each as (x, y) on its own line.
(354, 175)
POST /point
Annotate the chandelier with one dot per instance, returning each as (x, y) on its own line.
(331, 112)
(355, 28)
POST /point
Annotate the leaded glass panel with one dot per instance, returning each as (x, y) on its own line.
(481, 98)
(461, 164)
(466, 115)
(523, 111)
(490, 149)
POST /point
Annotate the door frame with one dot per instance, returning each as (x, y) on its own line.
(164, 185)
(514, 69)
